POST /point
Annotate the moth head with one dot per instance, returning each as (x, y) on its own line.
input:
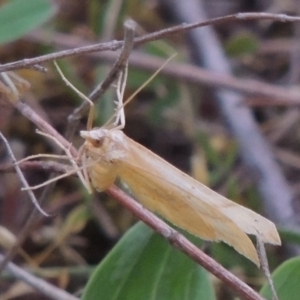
(107, 142)
(95, 137)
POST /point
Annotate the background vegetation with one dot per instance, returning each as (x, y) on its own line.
(180, 115)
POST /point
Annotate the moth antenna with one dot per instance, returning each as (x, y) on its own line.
(120, 117)
(85, 179)
(81, 95)
(148, 80)
(35, 187)
(69, 155)
(120, 109)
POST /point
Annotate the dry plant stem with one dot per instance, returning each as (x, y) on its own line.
(115, 45)
(9, 255)
(182, 71)
(120, 63)
(39, 68)
(46, 127)
(41, 285)
(196, 74)
(256, 152)
(278, 46)
(184, 245)
(265, 266)
(30, 114)
(48, 166)
(99, 91)
(21, 176)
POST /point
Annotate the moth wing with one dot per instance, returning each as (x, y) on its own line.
(162, 188)
(246, 219)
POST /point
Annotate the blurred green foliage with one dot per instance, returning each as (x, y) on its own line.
(144, 266)
(18, 17)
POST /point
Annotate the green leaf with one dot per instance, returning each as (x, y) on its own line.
(286, 281)
(242, 43)
(289, 236)
(144, 266)
(18, 17)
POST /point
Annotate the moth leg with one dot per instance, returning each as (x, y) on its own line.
(85, 181)
(120, 117)
(82, 156)
(35, 187)
(120, 114)
(69, 155)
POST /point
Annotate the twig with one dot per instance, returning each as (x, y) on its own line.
(182, 71)
(118, 66)
(14, 249)
(30, 114)
(278, 46)
(36, 165)
(120, 63)
(39, 284)
(115, 45)
(265, 265)
(21, 176)
(184, 245)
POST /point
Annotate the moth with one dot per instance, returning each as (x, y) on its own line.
(108, 153)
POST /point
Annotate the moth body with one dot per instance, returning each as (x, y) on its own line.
(103, 154)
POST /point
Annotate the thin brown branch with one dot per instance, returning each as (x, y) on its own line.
(99, 91)
(278, 46)
(31, 115)
(21, 176)
(115, 45)
(26, 229)
(275, 94)
(184, 245)
(265, 266)
(39, 284)
(48, 166)
(120, 63)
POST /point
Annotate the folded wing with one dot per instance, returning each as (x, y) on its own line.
(189, 204)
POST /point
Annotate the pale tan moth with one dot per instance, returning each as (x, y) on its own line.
(108, 153)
